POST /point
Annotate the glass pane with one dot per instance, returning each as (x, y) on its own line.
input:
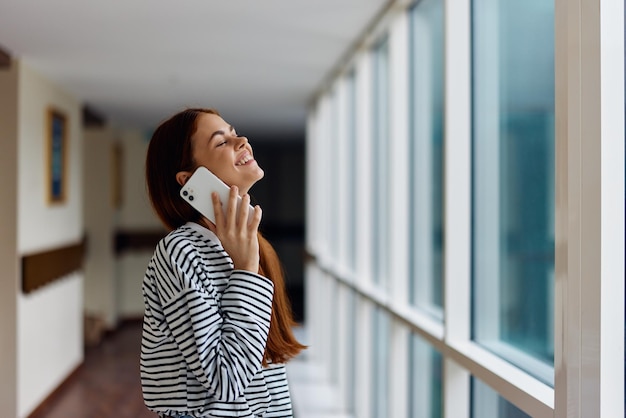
(352, 144)
(352, 327)
(333, 171)
(487, 403)
(513, 181)
(380, 376)
(333, 308)
(425, 380)
(426, 71)
(380, 132)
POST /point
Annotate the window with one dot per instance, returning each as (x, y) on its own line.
(508, 322)
(426, 176)
(380, 362)
(425, 379)
(334, 312)
(333, 173)
(487, 403)
(380, 131)
(513, 181)
(351, 101)
(352, 349)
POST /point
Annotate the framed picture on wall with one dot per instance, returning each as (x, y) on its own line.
(57, 156)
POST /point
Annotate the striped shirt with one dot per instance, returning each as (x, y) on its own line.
(204, 333)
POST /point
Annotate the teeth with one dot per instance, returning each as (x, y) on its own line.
(244, 160)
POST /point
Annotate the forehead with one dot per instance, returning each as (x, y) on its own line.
(208, 123)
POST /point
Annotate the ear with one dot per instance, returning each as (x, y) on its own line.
(182, 177)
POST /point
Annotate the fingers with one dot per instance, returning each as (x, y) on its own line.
(217, 209)
(231, 209)
(243, 213)
(237, 229)
(235, 217)
(254, 223)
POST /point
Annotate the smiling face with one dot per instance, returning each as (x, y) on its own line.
(216, 145)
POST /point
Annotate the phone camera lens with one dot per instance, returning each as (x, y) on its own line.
(185, 193)
(190, 197)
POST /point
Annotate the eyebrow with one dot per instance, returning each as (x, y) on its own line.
(220, 132)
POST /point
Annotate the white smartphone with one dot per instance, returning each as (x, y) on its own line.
(198, 189)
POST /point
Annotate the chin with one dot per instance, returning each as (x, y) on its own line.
(251, 184)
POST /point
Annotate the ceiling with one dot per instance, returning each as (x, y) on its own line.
(135, 62)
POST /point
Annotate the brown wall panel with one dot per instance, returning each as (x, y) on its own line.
(45, 267)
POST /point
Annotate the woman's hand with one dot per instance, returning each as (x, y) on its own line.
(237, 232)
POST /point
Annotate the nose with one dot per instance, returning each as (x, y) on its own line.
(241, 141)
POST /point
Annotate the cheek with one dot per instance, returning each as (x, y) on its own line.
(221, 173)
(210, 160)
(221, 168)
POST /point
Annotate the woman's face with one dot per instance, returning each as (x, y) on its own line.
(216, 146)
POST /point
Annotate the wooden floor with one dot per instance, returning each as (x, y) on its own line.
(106, 385)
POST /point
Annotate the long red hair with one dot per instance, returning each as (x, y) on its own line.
(169, 152)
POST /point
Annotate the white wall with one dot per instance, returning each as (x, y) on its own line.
(8, 238)
(113, 282)
(49, 339)
(50, 332)
(99, 215)
(136, 214)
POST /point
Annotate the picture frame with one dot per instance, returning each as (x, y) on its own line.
(57, 132)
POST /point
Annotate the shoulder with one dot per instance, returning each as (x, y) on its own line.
(185, 240)
(183, 253)
(183, 260)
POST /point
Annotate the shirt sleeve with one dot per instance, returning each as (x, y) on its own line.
(223, 344)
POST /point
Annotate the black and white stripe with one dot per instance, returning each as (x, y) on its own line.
(204, 333)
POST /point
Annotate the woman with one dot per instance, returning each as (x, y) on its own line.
(217, 323)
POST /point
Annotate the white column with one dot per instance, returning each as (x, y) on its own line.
(398, 182)
(364, 168)
(589, 356)
(457, 188)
